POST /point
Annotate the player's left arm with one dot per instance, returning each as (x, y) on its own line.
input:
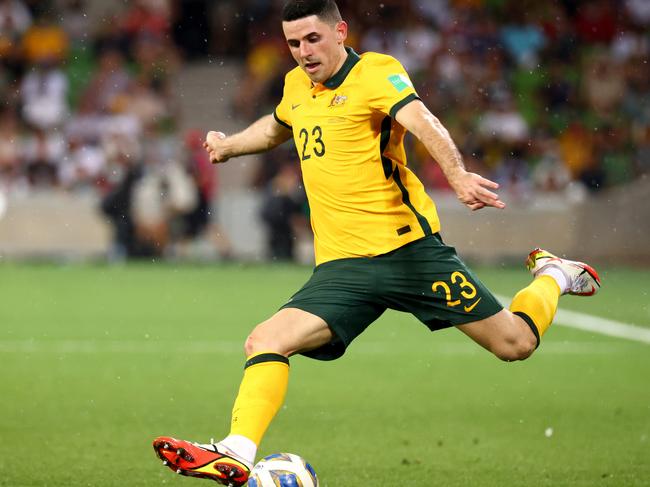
(472, 189)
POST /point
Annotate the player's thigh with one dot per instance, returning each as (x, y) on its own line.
(504, 334)
(341, 292)
(287, 332)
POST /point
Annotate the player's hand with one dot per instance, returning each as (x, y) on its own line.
(215, 146)
(474, 191)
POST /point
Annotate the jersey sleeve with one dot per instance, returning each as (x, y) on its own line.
(282, 112)
(390, 87)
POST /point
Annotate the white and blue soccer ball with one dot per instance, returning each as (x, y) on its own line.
(283, 470)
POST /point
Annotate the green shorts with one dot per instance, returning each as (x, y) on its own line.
(425, 278)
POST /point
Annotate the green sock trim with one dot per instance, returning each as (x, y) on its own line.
(529, 321)
(266, 357)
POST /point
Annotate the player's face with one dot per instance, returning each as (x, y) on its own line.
(316, 46)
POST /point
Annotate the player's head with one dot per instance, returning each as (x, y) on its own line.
(315, 34)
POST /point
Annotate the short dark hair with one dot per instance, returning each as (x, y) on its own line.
(325, 10)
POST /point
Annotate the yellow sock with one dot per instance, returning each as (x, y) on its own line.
(537, 304)
(261, 393)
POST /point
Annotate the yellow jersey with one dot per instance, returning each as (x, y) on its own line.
(363, 199)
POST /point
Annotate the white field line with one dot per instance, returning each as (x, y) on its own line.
(595, 324)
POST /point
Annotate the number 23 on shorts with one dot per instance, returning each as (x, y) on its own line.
(463, 290)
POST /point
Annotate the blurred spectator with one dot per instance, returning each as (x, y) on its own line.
(266, 65)
(43, 152)
(436, 11)
(613, 154)
(523, 40)
(513, 176)
(45, 41)
(596, 21)
(109, 36)
(636, 97)
(120, 126)
(148, 194)
(503, 122)
(200, 222)
(44, 93)
(117, 203)
(10, 148)
(83, 166)
(630, 42)
(639, 11)
(642, 144)
(412, 40)
(151, 97)
(15, 19)
(86, 124)
(560, 90)
(75, 21)
(163, 193)
(550, 174)
(146, 105)
(282, 212)
(109, 85)
(604, 84)
(577, 149)
(146, 17)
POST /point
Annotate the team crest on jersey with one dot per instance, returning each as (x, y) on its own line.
(400, 82)
(338, 100)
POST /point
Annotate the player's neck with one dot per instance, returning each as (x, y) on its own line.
(343, 56)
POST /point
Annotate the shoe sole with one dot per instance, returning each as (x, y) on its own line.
(180, 454)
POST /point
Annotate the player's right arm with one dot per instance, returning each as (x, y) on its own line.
(262, 135)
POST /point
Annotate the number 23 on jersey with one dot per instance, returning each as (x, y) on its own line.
(312, 143)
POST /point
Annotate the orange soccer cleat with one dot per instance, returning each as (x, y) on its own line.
(207, 461)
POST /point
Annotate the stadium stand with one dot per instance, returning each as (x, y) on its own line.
(548, 98)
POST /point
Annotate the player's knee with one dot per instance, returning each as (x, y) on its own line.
(258, 342)
(252, 345)
(517, 348)
(513, 354)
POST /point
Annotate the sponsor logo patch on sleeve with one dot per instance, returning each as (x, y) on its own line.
(400, 82)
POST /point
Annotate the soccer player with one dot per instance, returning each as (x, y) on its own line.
(376, 232)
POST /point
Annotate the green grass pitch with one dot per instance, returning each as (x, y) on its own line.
(96, 361)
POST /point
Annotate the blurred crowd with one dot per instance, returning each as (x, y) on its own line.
(77, 96)
(89, 105)
(545, 97)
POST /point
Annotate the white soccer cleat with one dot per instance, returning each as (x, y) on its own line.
(582, 279)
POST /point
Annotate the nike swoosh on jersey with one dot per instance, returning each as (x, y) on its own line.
(293, 107)
(472, 306)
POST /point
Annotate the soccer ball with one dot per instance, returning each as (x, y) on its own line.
(283, 470)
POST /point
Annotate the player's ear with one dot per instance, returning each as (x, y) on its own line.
(341, 31)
